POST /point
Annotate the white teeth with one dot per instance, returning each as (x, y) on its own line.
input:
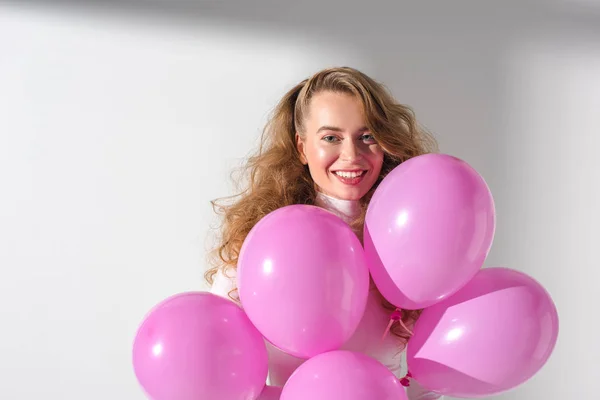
(345, 174)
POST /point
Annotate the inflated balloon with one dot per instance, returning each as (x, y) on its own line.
(343, 375)
(196, 346)
(428, 229)
(491, 336)
(270, 393)
(303, 279)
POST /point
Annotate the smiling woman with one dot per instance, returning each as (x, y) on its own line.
(330, 142)
(342, 155)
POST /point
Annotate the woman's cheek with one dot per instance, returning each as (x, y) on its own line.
(325, 156)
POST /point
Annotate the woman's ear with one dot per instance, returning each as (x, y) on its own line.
(300, 147)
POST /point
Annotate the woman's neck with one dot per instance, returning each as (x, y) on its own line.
(347, 210)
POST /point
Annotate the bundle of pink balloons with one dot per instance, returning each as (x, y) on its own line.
(303, 278)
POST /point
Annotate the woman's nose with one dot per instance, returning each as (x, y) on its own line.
(351, 151)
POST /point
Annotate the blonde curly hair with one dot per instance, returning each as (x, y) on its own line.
(275, 177)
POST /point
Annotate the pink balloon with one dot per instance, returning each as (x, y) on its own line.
(303, 280)
(270, 393)
(491, 336)
(343, 375)
(428, 229)
(196, 346)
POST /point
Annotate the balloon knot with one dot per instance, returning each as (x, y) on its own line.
(396, 316)
(405, 381)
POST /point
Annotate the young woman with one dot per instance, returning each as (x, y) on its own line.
(331, 140)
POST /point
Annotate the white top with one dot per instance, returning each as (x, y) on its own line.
(389, 351)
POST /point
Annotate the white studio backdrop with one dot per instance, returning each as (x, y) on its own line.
(116, 131)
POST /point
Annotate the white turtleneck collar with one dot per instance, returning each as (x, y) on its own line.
(347, 210)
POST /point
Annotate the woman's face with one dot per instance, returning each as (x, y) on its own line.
(343, 157)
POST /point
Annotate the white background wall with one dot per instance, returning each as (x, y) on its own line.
(119, 125)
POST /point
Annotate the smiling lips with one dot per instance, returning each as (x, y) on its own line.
(350, 177)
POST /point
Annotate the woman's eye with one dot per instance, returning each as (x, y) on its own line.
(329, 139)
(368, 138)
